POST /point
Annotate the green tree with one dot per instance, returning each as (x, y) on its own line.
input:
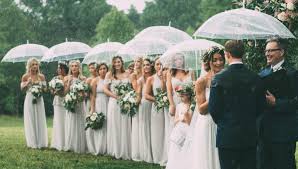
(134, 16)
(114, 26)
(15, 28)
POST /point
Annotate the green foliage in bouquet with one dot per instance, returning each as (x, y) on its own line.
(95, 121)
(161, 100)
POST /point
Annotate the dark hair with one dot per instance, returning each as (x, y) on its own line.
(151, 64)
(209, 56)
(280, 42)
(102, 64)
(92, 63)
(64, 67)
(113, 71)
(235, 48)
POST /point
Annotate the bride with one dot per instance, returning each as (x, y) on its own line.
(204, 153)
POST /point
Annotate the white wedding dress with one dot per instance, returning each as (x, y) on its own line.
(97, 139)
(118, 126)
(204, 154)
(58, 134)
(157, 127)
(35, 121)
(75, 137)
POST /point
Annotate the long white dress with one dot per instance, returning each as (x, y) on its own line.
(35, 122)
(97, 139)
(119, 126)
(135, 135)
(58, 134)
(169, 120)
(144, 125)
(177, 140)
(157, 127)
(204, 154)
(75, 137)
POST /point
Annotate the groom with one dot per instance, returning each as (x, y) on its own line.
(236, 99)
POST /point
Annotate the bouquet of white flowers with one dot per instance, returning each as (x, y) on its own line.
(122, 88)
(161, 99)
(70, 101)
(56, 85)
(74, 96)
(36, 90)
(128, 103)
(95, 121)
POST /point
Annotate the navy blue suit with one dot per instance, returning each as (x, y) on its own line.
(236, 99)
(278, 124)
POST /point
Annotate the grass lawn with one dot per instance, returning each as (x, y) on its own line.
(15, 155)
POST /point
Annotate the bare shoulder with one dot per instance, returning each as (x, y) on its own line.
(25, 77)
(201, 81)
(94, 81)
(109, 75)
(42, 77)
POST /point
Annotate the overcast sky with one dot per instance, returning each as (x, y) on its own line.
(125, 4)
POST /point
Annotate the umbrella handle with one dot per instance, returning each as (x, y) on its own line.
(243, 4)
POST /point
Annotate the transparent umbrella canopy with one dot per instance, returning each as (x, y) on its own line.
(167, 33)
(24, 52)
(102, 53)
(66, 51)
(242, 24)
(143, 47)
(188, 52)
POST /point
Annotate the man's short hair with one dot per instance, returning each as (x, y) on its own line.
(235, 48)
(280, 42)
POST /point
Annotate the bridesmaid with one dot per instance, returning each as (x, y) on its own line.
(135, 142)
(118, 125)
(204, 152)
(75, 139)
(176, 76)
(97, 139)
(145, 114)
(92, 70)
(34, 113)
(157, 117)
(58, 135)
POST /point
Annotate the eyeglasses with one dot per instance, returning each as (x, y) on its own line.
(271, 50)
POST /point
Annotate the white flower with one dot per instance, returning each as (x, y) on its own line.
(165, 98)
(282, 16)
(127, 106)
(67, 98)
(132, 100)
(290, 6)
(93, 118)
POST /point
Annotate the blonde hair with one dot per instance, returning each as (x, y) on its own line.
(79, 65)
(139, 70)
(29, 65)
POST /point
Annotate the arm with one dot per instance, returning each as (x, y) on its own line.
(134, 83)
(106, 89)
(149, 89)
(201, 96)
(25, 82)
(139, 92)
(67, 83)
(193, 76)
(93, 94)
(170, 94)
(176, 118)
(216, 101)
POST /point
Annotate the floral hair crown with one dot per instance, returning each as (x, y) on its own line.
(62, 62)
(187, 88)
(211, 52)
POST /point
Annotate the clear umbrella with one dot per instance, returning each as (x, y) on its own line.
(188, 52)
(24, 52)
(66, 51)
(242, 24)
(143, 47)
(167, 33)
(102, 52)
